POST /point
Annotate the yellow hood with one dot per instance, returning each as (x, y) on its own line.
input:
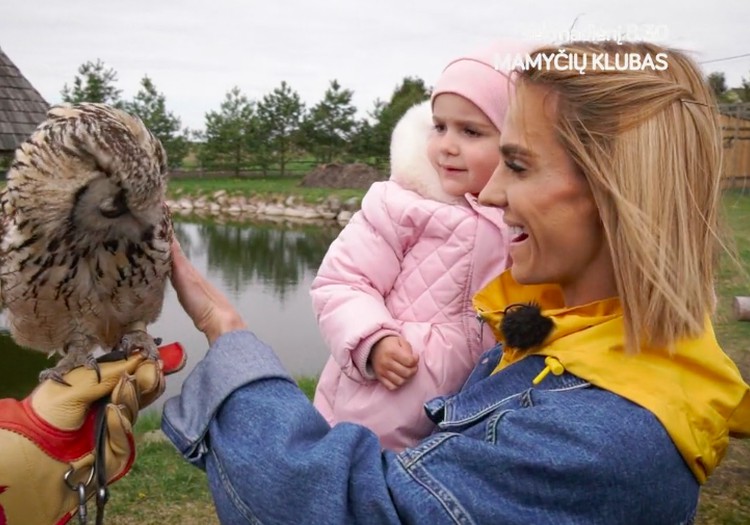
(697, 392)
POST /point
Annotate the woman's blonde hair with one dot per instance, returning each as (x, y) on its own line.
(648, 141)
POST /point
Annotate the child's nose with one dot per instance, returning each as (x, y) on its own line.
(448, 143)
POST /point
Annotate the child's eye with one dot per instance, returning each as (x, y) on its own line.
(513, 166)
(438, 127)
(472, 132)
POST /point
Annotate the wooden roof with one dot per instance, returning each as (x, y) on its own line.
(22, 108)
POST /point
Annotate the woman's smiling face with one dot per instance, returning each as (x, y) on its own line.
(556, 234)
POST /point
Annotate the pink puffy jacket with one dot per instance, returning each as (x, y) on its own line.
(407, 263)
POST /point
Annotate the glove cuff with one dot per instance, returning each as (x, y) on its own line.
(62, 445)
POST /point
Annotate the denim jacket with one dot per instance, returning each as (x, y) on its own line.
(505, 452)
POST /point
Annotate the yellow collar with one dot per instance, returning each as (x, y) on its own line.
(696, 392)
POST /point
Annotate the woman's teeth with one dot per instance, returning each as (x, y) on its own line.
(517, 233)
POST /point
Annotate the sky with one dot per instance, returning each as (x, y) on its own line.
(195, 51)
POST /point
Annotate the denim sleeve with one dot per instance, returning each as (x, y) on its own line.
(270, 456)
(235, 359)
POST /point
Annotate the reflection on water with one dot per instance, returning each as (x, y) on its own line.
(265, 269)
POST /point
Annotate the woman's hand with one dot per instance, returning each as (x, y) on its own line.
(393, 361)
(209, 309)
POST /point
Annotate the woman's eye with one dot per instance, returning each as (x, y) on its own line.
(513, 166)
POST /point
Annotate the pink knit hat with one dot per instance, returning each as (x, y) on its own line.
(482, 78)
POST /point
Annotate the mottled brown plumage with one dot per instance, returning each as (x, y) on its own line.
(85, 235)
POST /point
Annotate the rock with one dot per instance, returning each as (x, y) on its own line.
(273, 209)
(330, 209)
(351, 204)
(328, 215)
(218, 194)
(301, 213)
(344, 216)
(332, 203)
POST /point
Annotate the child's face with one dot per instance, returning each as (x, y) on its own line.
(464, 146)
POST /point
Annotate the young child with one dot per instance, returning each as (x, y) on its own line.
(393, 293)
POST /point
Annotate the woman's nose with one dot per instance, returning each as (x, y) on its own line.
(493, 193)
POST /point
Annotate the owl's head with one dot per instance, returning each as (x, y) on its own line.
(104, 159)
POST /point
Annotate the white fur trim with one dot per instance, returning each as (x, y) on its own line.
(410, 166)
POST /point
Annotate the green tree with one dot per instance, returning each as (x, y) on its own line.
(280, 117)
(327, 128)
(744, 90)
(718, 84)
(94, 83)
(150, 106)
(229, 137)
(411, 91)
(360, 146)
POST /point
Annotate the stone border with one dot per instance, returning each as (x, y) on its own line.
(221, 204)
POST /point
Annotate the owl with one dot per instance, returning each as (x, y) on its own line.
(85, 236)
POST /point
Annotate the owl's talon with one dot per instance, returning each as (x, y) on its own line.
(66, 364)
(92, 363)
(53, 375)
(139, 341)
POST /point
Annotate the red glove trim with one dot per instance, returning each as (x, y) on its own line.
(173, 357)
(131, 459)
(62, 445)
(65, 519)
(2, 512)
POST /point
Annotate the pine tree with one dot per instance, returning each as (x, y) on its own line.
(328, 127)
(150, 106)
(94, 83)
(229, 137)
(280, 116)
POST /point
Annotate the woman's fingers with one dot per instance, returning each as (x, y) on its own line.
(209, 309)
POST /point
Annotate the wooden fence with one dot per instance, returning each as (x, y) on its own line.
(735, 129)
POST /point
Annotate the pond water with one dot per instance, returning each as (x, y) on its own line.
(264, 268)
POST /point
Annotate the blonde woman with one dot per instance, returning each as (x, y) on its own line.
(608, 402)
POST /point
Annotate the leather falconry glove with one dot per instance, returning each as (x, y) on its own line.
(62, 444)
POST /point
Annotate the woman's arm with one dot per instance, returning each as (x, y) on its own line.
(270, 456)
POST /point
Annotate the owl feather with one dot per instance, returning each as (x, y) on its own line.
(85, 235)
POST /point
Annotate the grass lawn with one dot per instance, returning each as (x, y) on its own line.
(161, 488)
(726, 496)
(262, 187)
(164, 489)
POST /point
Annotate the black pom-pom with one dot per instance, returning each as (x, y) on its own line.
(524, 326)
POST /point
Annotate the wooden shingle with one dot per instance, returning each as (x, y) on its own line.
(22, 108)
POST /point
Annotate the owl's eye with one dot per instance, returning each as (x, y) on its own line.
(114, 207)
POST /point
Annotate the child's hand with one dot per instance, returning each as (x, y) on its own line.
(393, 362)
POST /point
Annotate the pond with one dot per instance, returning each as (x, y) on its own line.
(264, 268)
